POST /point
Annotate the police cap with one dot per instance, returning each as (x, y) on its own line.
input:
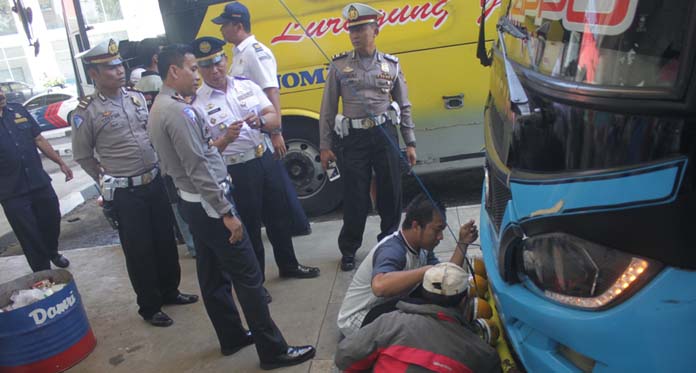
(105, 52)
(208, 50)
(234, 12)
(359, 14)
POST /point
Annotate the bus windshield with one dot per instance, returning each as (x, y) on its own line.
(624, 43)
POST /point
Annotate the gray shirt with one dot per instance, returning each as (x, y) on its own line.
(365, 91)
(183, 142)
(115, 128)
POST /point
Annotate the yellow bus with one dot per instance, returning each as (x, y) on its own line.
(435, 41)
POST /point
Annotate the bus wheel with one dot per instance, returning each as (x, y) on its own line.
(317, 194)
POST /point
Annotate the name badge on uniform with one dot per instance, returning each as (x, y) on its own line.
(248, 100)
(20, 120)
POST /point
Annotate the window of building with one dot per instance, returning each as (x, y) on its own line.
(14, 66)
(7, 20)
(50, 9)
(61, 52)
(97, 11)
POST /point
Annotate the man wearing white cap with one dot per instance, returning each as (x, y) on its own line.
(423, 335)
(395, 266)
(112, 122)
(373, 91)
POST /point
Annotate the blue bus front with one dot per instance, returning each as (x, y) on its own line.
(590, 188)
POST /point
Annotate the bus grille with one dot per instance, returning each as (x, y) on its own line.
(499, 195)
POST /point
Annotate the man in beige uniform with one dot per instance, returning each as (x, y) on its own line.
(112, 122)
(375, 100)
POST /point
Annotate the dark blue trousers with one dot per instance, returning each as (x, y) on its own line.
(146, 230)
(260, 199)
(35, 220)
(221, 265)
(300, 223)
(362, 152)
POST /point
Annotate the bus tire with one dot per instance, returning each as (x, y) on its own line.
(316, 193)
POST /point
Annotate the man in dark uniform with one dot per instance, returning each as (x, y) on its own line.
(255, 61)
(224, 253)
(239, 105)
(112, 122)
(372, 87)
(26, 194)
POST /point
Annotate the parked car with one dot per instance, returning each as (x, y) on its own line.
(51, 109)
(17, 91)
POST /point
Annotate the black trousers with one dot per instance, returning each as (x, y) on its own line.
(35, 220)
(361, 152)
(298, 218)
(222, 265)
(147, 237)
(260, 199)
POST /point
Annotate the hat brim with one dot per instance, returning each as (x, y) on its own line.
(221, 20)
(210, 61)
(115, 61)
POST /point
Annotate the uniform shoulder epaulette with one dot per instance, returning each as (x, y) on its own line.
(84, 102)
(239, 77)
(178, 97)
(391, 58)
(132, 89)
(339, 56)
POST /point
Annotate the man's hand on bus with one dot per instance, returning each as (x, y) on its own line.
(326, 156)
(279, 145)
(468, 233)
(411, 155)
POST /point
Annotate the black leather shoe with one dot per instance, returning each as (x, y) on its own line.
(347, 263)
(160, 319)
(300, 272)
(60, 261)
(183, 299)
(293, 356)
(267, 296)
(248, 340)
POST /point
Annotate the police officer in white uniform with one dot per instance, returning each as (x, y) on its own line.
(373, 91)
(256, 61)
(224, 253)
(112, 123)
(238, 113)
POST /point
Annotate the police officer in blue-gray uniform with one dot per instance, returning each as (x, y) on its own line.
(372, 87)
(26, 194)
(239, 105)
(112, 122)
(225, 257)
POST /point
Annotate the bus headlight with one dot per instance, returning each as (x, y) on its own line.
(576, 272)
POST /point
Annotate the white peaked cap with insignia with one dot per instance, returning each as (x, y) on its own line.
(105, 52)
(359, 14)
